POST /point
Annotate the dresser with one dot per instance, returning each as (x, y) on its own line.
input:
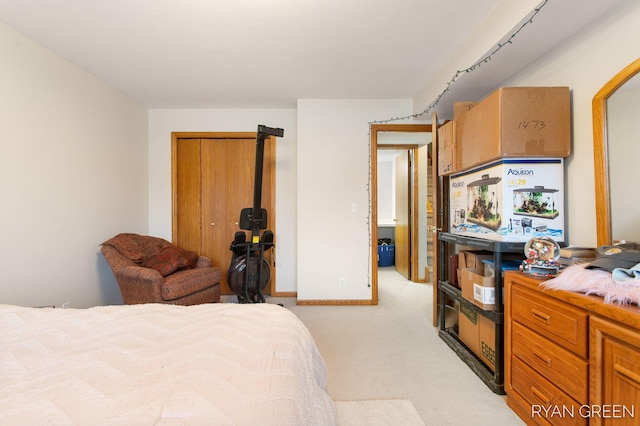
(570, 359)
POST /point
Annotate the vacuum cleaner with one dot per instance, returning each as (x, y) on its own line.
(249, 271)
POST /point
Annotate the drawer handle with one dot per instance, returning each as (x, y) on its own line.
(541, 316)
(627, 373)
(542, 358)
(542, 397)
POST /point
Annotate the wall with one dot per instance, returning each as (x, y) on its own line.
(320, 166)
(386, 192)
(333, 178)
(162, 122)
(585, 64)
(73, 172)
(499, 22)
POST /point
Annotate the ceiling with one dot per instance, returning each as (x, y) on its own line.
(268, 54)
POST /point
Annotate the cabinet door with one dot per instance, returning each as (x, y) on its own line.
(615, 373)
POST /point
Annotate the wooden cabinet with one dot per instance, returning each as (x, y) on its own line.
(570, 359)
(615, 373)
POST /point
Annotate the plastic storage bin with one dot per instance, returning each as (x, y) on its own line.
(386, 254)
(507, 265)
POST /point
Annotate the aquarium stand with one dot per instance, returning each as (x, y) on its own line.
(449, 293)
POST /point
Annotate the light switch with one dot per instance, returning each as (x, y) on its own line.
(354, 207)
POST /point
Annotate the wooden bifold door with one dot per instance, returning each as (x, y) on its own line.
(212, 181)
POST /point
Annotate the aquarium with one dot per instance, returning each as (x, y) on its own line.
(483, 202)
(537, 201)
(513, 199)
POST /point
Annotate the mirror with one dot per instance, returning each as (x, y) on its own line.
(615, 123)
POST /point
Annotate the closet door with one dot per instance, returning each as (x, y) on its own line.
(213, 182)
(403, 240)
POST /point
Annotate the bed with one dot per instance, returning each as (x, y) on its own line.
(213, 364)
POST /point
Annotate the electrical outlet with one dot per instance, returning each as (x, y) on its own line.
(342, 282)
(66, 305)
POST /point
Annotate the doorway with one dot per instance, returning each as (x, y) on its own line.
(412, 141)
(396, 211)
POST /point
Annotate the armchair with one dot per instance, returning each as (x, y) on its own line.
(152, 270)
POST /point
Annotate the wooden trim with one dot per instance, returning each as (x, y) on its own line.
(213, 135)
(415, 219)
(600, 151)
(276, 293)
(415, 128)
(435, 215)
(174, 181)
(374, 212)
(336, 302)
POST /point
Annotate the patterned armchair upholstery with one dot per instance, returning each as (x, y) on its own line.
(152, 270)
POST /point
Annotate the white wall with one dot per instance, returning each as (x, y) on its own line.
(162, 122)
(500, 21)
(386, 192)
(585, 64)
(333, 177)
(73, 172)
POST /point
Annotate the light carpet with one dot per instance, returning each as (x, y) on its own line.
(391, 412)
(392, 351)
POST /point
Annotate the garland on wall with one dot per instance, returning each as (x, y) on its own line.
(468, 70)
(437, 100)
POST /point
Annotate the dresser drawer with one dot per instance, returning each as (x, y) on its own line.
(546, 401)
(568, 371)
(565, 325)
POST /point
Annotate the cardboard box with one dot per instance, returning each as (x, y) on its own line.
(459, 108)
(452, 271)
(468, 327)
(448, 156)
(473, 258)
(478, 334)
(515, 122)
(478, 289)
(509, 200)
(447, 152)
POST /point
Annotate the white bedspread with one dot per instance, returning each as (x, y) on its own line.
(217, 364)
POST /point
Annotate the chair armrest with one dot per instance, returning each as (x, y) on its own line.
(139, 284)
(203, 262)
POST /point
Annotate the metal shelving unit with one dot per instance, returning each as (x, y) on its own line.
(447, 241)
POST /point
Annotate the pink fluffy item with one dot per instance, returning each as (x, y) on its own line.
(596, 281)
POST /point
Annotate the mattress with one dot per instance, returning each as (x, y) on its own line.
(214, 364)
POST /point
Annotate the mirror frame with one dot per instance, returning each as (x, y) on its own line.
(601, 150)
